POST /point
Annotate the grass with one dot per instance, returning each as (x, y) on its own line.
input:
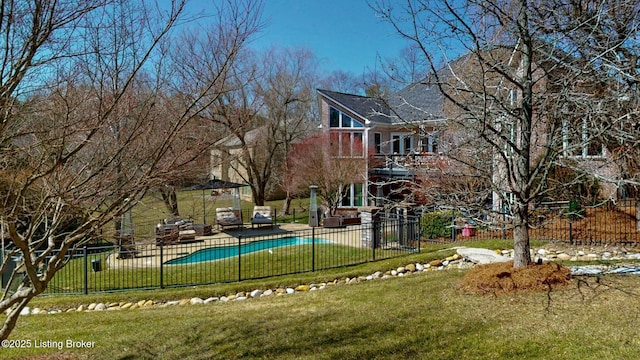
(151, 209)
(261, 264)
(421, 316)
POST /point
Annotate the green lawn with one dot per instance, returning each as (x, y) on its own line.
(150, 210)
(280, 261)
(417, 317)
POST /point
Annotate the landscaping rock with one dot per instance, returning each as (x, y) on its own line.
(481, 256)
(100, 307)
(196, 301)
(256, 293)
(435, 263)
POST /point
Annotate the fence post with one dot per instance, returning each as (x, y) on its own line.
(239, 257)
(161, 265)
(293, 220)
(637, 215)
(275, 215)
(453, 225)
(570, 229)
(86, 271)
(313, 249)
(375, 224)
(419, 231)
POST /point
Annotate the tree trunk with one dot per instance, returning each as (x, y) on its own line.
(521, 247)
(286, 206)
(170, 199)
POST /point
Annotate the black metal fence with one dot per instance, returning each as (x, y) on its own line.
(233, 256)
(564, 221)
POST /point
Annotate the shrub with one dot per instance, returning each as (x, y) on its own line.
(435, 224)
(575, 209)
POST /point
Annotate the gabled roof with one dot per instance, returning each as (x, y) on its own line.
(372, 109)
(415, 103)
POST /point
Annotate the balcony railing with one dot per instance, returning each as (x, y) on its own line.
(403, 164)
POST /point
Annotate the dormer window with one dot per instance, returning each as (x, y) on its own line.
(338, 119)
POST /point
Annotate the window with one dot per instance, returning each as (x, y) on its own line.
(431, 142)
(338, 119)
(347, 143)
(352, 195)
(401, 143)
(334, 118)
(578, 141)
(506, 136)
(377, 142)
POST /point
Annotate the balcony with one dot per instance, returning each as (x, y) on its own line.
(403, 166)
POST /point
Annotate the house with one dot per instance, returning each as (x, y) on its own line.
(409, 135)
(394, 134)
(227, 159)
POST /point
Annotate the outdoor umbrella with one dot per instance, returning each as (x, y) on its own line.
(215, 184)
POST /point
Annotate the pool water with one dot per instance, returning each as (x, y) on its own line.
(223, 252)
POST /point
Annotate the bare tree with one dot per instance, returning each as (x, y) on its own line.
(269, 106)
(79, 133)
(529, 88)
(329, 162)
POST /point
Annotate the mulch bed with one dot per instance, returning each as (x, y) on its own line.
(503, 278)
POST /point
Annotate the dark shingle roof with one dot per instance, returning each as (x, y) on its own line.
(416, 102)
(372, 109)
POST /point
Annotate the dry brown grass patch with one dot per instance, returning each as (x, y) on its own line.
(504, 278)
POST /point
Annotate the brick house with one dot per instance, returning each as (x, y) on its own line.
(406, 134)
(395, 145)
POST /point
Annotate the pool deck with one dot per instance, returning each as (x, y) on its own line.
(149, 254)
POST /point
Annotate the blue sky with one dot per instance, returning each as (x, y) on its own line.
(344, 34)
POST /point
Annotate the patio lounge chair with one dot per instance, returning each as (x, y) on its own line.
(262, 216)
(228, 217)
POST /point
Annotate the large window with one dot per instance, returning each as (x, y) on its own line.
(347, 143)
(352, 195)
(338, 119)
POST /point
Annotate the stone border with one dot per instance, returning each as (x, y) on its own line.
(456, 261)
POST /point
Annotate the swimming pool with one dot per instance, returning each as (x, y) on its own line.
(223, 252)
